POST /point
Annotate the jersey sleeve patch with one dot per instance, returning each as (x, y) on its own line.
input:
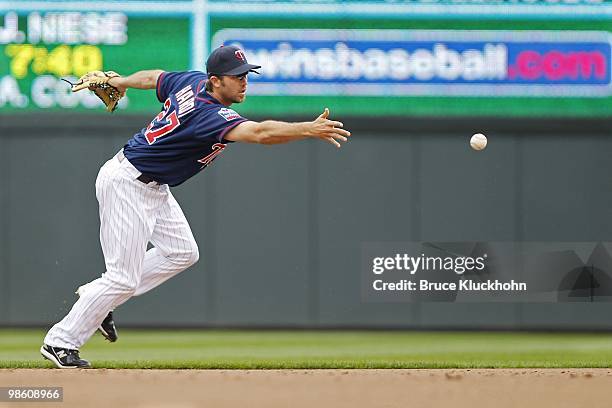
(228, 114)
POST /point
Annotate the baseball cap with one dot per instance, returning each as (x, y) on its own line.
(229, 60)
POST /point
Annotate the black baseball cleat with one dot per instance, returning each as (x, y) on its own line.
(107, 328)
(64, 358)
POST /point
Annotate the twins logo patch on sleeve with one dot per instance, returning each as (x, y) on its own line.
(228, 114)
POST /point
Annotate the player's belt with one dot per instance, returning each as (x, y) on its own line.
(143, 178)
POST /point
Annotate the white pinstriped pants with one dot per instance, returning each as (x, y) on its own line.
(132, 214)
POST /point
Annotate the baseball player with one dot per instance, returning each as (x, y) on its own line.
(194, 127)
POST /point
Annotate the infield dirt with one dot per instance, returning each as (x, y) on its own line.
(454, 388)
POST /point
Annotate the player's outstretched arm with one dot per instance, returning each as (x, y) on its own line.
(138, 80)
(275, 132)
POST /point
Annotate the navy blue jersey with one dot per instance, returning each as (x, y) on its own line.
(187, 135)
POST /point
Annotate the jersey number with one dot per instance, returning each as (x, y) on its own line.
(164, 124)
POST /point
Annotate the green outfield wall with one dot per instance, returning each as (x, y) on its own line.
(281, 228)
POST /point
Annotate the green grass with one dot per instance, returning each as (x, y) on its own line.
(321, 349)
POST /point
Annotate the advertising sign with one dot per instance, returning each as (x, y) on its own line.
(372, 58)
(423, 63)
(37, 50)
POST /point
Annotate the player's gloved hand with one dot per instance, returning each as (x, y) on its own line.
(329, 130)
(98, 83)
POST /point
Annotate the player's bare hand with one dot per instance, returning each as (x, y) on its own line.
(117, 83)
(329, 130)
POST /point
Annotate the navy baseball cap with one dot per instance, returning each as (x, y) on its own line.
(229, 60)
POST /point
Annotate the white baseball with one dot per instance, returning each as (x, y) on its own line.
(478, 141)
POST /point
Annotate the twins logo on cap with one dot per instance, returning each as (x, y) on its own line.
(240, 55)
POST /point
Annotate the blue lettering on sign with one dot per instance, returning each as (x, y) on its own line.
(426, 62)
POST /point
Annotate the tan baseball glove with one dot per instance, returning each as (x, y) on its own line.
(97, 82)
